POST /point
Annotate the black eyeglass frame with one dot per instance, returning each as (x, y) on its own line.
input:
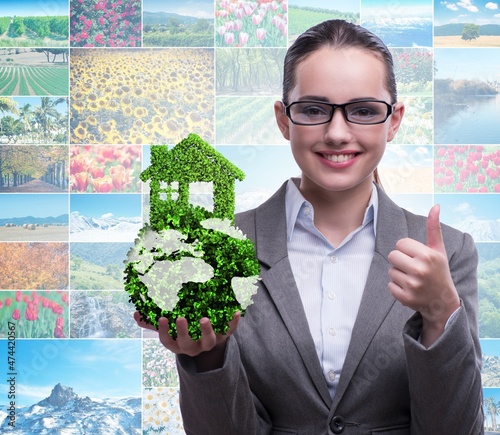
(390, 109)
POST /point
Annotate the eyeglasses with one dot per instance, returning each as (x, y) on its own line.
(366, 112)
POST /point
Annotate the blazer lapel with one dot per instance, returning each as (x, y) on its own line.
(278, 279)
(377, 300)
(280, 283)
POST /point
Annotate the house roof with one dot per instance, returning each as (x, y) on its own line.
(190, 160)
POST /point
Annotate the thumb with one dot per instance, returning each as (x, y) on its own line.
(434, 234)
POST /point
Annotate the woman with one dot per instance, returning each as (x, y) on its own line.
(366, 318)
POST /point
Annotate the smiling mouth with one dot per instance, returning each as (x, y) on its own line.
(338, 158)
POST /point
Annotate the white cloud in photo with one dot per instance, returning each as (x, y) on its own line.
(35, 393)
(491, 5)
(451, 6)
(422, 150)
(464, 209)
(467, 4)
(399, 151)
(107, 215)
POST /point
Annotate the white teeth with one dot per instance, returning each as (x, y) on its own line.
(338, 158)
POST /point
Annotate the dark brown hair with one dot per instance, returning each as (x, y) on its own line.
(337, 34)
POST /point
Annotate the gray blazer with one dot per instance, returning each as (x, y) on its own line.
(272, 381)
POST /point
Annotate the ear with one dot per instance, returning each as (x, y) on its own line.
(395, 120)
(281, 119)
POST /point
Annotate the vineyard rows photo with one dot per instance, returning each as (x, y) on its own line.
(31, 80)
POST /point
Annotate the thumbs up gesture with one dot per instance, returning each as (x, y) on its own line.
(421, 279)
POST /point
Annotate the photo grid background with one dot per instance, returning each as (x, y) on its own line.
(87, 86)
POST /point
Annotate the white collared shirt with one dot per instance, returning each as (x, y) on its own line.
(330, 279)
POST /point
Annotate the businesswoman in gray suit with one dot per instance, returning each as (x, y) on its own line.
(365, 321)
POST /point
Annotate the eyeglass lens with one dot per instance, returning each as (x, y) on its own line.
(364, 112)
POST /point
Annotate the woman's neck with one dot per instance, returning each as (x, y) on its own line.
(336, 214)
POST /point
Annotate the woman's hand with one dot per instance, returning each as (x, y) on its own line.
(421, 279)
(208, 350)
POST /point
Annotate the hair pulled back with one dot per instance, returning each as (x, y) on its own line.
(336, 34)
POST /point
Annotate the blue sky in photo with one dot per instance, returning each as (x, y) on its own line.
(26, 8)
(265, 166)
(418, 203)
(106, 205)
(407, 156)
(458, 207)
(96, 368)
(191, 8)
(465, 63)
(490, 346)
(491, 392)
(469, 11)
(33, 204)
(62, 108)
(338, 5)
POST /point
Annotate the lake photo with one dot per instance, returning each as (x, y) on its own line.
(473, 122)
(466, 96)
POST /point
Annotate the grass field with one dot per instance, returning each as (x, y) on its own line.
(457, 41)
(41, 234)
(90, 276)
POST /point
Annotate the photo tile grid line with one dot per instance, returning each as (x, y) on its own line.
(409, 166)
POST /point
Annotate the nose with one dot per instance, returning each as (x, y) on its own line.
(338, 130)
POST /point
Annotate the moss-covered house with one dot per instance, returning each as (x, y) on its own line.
(173, 171)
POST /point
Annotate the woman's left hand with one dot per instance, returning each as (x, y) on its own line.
(421, 279)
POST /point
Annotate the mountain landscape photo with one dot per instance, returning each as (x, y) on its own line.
(106, 228)
(64, 411)
(482, 230)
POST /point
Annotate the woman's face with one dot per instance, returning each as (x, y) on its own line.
(338, 156)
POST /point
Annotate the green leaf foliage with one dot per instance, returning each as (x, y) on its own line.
(190, 161)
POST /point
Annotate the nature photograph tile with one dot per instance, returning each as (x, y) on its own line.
(177, 23)
(88, 87)
(137, 96)
(34, 217)
(97, 265)
(105, 218)
(34, 23)
(34, 265)
(466, 24)
(303, 14)
(37, 314)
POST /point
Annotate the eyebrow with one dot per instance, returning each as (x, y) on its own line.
(326, 100)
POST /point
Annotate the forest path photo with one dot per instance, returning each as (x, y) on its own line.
(33, 186)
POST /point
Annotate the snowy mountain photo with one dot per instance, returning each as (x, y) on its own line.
(103, 229)
(104, 218)
(64, 411)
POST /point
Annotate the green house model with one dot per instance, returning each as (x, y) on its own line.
(190, 260)
(173, 171)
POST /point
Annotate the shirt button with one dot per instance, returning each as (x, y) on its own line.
(332, 332)
(331, 296)
(334, 259)
(307, 211)
(332, 375)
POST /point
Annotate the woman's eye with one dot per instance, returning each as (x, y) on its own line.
(313, 111)
(363, 112)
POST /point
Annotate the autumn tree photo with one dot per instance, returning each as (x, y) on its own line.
(34, 266)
